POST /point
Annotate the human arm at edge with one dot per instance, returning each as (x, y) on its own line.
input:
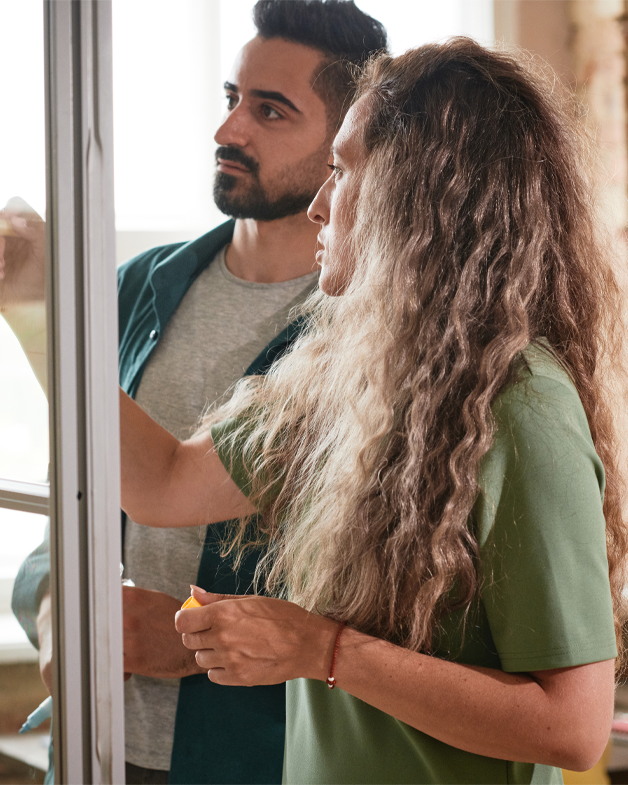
(168, 483)
(557, 717)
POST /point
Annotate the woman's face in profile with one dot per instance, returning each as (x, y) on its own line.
(333, 205)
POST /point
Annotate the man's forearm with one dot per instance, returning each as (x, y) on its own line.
(168, 483)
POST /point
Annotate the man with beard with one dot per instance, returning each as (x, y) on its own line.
(194, 318)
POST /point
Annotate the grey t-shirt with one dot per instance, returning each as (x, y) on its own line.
(220, 327)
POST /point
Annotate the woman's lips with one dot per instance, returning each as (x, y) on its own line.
(321, 248)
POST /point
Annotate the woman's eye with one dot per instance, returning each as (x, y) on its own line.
(270, 113)
(231, 101)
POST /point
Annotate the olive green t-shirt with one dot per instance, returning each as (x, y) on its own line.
(544, 603)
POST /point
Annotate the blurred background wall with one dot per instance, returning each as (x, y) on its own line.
(584, 42)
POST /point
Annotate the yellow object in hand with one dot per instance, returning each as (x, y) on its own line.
(191, 602)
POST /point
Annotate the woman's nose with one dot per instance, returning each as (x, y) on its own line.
(318, 211)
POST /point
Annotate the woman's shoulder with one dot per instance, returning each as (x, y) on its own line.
(540, 362)
(541, 395)
(542, 436)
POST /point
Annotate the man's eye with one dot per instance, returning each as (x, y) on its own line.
(335, 170)
(270, 113)
(231, 101)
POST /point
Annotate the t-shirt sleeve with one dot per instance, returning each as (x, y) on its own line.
(544, 570)
(229, 437)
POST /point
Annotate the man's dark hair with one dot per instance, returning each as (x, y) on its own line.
(346, 37)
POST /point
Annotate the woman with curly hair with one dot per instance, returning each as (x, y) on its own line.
(434, 463)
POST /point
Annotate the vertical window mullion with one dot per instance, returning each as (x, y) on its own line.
(84, 497)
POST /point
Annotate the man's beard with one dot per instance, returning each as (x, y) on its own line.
(255, 203)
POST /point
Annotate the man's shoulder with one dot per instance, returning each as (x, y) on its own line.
(147, 260)
(139, 268)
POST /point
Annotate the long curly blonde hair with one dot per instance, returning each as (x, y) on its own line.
(475, 235)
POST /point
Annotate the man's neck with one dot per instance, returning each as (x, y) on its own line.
(273, 251)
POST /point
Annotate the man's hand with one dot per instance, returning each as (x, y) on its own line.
(44, 632)
(152, 646)
(22, 255)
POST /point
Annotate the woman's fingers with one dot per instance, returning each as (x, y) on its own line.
(198, 640)
(208, 597)
(208, 659)
(256, 640)
(191, 620)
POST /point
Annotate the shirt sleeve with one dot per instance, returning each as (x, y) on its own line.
(544, 569)
(229, 437)
(31, 583)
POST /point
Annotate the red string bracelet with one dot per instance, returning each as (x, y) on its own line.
(331, 681)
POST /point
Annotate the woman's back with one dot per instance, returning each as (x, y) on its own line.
(544, 600)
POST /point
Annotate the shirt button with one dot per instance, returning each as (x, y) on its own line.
(154, 335)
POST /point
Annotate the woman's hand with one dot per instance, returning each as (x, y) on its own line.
(246, 640)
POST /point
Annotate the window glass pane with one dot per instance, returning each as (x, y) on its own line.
(163, 179)
(23, 406)
(20, 534)
(23, 411)
(24, 451)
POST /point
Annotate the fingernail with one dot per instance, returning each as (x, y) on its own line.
(196, 589)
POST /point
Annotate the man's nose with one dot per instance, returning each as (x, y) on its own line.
(234, 129)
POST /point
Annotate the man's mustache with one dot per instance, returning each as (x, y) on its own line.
(235, 154)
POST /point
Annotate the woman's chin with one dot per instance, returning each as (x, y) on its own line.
(332, 285)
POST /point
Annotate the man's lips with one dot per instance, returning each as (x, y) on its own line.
(229, 167)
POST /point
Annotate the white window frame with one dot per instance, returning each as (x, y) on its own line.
(88, 717)
(24, 496)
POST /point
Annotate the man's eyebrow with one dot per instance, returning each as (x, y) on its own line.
(269, 95)
(272, 95)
